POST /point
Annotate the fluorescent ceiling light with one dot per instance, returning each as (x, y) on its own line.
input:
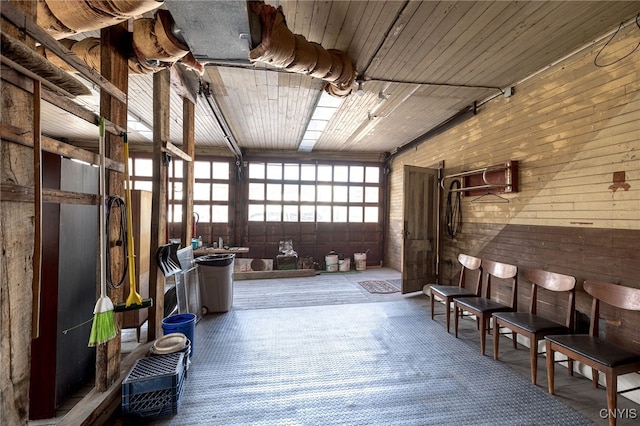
(325, 108)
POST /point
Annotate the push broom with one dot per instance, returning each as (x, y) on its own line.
(134, 300)
(104, 326)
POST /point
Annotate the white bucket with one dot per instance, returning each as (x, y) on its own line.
(331, 261)
(361, 261)
(344, 265)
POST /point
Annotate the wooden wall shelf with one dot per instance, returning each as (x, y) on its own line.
(496, 179)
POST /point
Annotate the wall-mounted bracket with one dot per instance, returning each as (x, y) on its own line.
(499, 178)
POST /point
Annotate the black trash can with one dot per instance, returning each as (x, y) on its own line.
(215, 273)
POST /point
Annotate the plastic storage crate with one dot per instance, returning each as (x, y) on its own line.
(153, 386)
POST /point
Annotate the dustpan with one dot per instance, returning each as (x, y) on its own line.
(167, 257)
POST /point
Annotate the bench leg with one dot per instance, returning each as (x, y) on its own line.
(431, 303)
(448, 313)
(550, 367)
(533, 356)
(455, 319)
(612, 396)
(483, 333)
(496, 341)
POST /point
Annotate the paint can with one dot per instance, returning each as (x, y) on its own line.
(331, 260)
(344, 265)
(361, 261)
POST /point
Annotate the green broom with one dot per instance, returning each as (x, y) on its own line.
(104, 326)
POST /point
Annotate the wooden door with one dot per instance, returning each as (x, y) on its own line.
(420, 228)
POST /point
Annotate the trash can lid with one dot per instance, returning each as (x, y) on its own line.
(216, 259)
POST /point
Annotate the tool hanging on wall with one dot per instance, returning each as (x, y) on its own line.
(104, 326)
(115, 202)
(134, 300)
(453, 213)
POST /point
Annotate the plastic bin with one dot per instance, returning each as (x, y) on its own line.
(215, 274)
(181, 323)
(154, 386)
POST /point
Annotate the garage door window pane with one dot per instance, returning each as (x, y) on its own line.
(202, 170)
(356, 174)
(324, 213)
(371, 194)
(307, 214)
(220, 192)
(355, 214)
(341, 174)
(202, 191)
(290, 192)
(220, 213)
(143, 167)
(274, 192)
(324, 174)
(256, 212)
(340, 213)
(291, 172)
(372, 175)
(307, 193)
(203, 213)
(324, 193)
(356, 194)
(340, 194)
(175, 213)
(308, 172)
(220, 170)
(256, 191)
(256, 170)
(371, 214)
(290, 214)
(274, 171)
(274, 213)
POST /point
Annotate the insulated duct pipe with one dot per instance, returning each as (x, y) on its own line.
(64, 18)
(153, 47)
(281, 48)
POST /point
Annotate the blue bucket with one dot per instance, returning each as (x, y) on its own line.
(181, 323)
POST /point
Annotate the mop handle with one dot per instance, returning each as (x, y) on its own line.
(101, 212)
(127, 195)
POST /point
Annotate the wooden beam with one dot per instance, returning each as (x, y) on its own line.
(22, 137)
(16, 228)
(114, 67)
(184, 83)
(161, 120)
(188, 141)
(21, 193)
(36, 283)
(172, 149)
(60, 101)
(33, 76)
(20, 20)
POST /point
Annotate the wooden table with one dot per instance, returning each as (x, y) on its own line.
(205, 251)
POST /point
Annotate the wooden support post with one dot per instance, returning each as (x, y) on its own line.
(37, 207)
(161, 116)
(188, 142)
(16, 227)
(114, 68)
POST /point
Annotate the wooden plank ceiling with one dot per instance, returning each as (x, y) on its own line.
(421, 63)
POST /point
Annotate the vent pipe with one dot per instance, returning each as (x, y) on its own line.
(280, 48)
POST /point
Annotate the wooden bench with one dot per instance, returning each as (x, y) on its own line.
(612, 359)
(448, 292)
(532, 325)
(484, 307)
